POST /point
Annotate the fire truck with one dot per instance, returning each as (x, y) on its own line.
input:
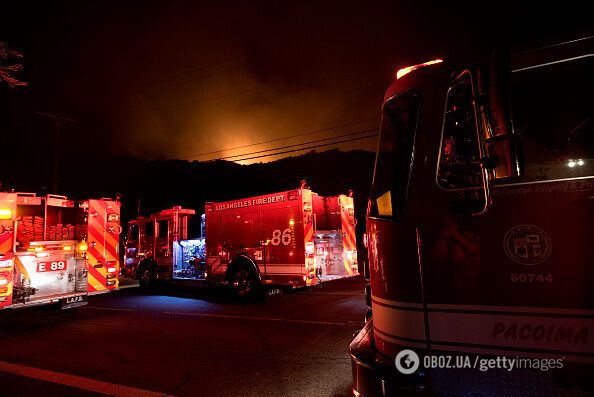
(479, 228)
(55, 250)
(294, 238)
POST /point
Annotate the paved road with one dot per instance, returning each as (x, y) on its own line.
(185, 341)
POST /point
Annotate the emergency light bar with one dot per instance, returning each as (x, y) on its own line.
(404, 71)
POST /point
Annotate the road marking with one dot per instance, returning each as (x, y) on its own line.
(255, 318)
(78, 382)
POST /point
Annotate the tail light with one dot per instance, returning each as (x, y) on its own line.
(111, 269)
(309, 248)
(4, 282)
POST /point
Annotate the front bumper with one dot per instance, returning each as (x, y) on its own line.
(375, 375)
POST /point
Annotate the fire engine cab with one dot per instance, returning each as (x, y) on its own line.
(56, 250)
(293, 238)
(158, 247)
(479, 228)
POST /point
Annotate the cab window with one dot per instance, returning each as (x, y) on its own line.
(395, 156)
(552, 107)
(459, 159)
(162, 228)
(149, 229)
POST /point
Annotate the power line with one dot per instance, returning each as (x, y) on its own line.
(299, 144)
(280, 139)
(305, 148)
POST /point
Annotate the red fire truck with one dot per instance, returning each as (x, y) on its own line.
(479, 228)
(56, 250)
(293, 238)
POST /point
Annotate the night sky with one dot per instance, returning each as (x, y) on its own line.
(161, 80)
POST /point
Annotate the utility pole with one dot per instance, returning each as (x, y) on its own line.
(58, 122)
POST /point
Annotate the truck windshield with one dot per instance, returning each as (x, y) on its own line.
(552, 107)
(394, 157)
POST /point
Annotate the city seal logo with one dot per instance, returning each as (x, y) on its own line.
(527, 245)
(407, 361)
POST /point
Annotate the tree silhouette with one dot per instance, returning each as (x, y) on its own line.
(10, 65)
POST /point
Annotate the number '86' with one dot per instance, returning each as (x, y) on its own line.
(281, 237)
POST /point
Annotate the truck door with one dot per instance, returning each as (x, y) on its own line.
(516, 278)
(163, 246)
(132, 251)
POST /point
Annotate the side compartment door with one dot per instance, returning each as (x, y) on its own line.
(284, 254)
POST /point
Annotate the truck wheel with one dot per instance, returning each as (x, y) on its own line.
(146, 277)
(245, 283)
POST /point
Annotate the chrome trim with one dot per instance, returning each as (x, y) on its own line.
(551, 63)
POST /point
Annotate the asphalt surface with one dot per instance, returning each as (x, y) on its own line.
(185, 341)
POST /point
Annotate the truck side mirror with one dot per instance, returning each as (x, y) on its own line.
(500, 142)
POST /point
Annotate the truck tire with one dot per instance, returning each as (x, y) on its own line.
(245, 283)
(146, 276)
